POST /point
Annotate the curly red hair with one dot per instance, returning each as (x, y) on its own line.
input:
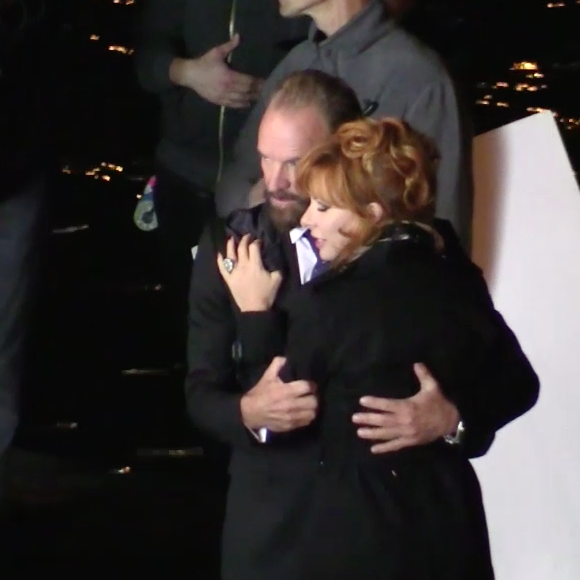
(373, 161)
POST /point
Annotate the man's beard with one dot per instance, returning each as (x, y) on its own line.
(286, 218)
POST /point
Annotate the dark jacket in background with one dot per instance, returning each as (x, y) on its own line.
(191, 132)
(26, 92)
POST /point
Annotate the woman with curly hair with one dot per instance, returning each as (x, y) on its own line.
(385, 298)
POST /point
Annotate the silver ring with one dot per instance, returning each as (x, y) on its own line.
(229, 265)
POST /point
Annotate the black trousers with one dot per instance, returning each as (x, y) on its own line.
(183, 210)
(21, 213)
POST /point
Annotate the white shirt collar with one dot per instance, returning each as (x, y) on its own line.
(296, 234)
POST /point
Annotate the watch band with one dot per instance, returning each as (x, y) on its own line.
(457, 437)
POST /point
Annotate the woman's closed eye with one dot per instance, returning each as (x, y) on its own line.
(320, 206)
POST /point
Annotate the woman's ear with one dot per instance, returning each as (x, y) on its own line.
(375, 211)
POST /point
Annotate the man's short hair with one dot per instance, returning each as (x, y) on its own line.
(334, 98)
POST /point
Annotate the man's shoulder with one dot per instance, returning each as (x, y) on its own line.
(411, 56)
(298, 58)
(394, 69)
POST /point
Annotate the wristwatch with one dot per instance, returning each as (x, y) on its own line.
(457, 437)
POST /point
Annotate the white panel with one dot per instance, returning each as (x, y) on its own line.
(527, 240)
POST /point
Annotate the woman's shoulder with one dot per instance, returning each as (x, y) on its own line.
(405, 253)
(420, 253)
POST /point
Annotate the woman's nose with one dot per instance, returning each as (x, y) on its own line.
(306, 221)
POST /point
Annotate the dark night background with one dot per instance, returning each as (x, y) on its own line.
(105, 464)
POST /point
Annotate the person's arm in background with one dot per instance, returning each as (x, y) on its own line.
(158, 41)
(162, 64)
(437, 113)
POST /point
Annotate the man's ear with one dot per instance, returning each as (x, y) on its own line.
(375, 211)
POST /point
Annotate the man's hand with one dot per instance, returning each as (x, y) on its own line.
(213, 80)
(393, 424)
(278, 406)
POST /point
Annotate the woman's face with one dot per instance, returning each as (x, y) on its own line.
(326, 223)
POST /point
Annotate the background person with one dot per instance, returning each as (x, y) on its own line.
(392, 73)
(205, 61)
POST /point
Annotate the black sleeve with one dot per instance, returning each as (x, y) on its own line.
(261, 338)
(490, 379)
(212, 390)
(506, 385)
(158, 41)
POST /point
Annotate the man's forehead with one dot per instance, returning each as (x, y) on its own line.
(308, 116)
(286, 135)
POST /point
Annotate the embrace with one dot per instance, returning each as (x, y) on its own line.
(346, 348)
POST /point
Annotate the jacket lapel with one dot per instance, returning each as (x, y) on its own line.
(291, 259)
(291, 273)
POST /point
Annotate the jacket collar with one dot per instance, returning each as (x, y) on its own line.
(278, 251)
(370, 24)
(411, 233)
(400, 238)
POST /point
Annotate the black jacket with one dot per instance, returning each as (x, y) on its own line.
(26, 92)
(357, 331)
(190, 126)
(269, 482)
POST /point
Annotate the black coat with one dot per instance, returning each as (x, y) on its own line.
(277, 525)
(28, 61)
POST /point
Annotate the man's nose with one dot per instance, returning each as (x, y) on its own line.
(277, 179)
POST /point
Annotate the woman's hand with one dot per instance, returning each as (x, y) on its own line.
(253, 288)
